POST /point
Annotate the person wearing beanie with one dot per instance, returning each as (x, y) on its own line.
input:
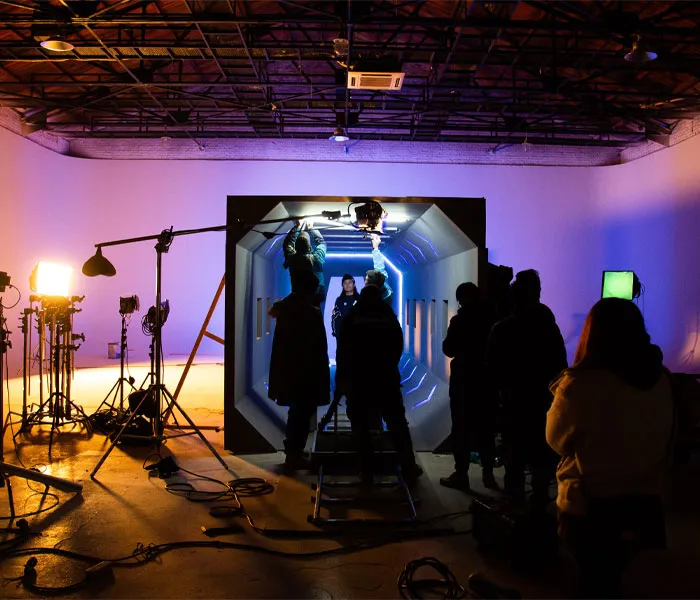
(306, 251)
(344, 302)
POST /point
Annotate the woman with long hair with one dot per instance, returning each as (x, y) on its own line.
(611, 421)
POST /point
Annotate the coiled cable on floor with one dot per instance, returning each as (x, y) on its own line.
(409, 587)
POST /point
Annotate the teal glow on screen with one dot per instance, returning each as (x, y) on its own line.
(618, 284)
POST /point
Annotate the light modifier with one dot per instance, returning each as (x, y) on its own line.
(98, 265)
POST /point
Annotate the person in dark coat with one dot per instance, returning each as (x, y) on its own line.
(301, 255)
(470, 406)
(525, 354)
(370, 345)
(344, 303)
(299, 374)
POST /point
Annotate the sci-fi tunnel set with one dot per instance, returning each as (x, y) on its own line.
(430, 245)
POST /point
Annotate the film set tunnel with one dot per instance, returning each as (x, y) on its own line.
(430, 246)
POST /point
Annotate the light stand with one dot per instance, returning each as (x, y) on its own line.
(59, 408)
(7, 470)
(157, 392)
(118, 388)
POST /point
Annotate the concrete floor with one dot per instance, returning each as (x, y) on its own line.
(124, 507)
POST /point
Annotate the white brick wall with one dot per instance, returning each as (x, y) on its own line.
(9, 119)
(358, 151)
(354, 151)
(683, 131)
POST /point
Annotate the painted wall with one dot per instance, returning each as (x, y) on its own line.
(649, 220)
(57, 207)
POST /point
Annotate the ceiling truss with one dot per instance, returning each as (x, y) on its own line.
(549, 72)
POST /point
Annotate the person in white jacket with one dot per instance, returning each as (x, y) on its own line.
(612, 422)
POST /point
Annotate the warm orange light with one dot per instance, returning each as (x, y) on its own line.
(51, 279)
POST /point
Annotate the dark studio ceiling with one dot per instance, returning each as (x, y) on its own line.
(549, 73)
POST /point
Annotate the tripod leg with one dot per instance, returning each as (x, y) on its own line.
(132, 416)
(196, 429)
(332, 410)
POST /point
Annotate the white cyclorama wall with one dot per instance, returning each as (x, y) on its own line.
(548, 218)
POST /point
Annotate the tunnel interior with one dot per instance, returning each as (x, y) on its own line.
(427, 255)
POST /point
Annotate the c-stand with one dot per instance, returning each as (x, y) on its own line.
(151, 405)
(118, 388)
(59, 408)
(7, 470)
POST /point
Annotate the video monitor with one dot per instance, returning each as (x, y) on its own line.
(618, 284)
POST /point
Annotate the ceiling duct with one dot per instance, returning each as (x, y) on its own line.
(367, 80)
(382, 73)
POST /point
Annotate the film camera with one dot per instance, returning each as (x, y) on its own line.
(4, 280)
(128, 305)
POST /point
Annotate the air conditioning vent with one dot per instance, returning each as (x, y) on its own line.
(375, 81)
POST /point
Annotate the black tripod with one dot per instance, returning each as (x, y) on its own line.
(7, 470)
(118, 388)
(154, 398)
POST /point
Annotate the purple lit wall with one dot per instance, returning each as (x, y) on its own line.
(649, 218)
(569, 223)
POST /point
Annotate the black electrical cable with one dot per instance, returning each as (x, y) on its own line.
(409, 587)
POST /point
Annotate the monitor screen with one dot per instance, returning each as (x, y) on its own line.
(618, 284)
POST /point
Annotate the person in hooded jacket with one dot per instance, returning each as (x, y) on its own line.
(299, 374)
(612, 422)
(370, 345)
(301, 255)
(525, 353)
(471, 409)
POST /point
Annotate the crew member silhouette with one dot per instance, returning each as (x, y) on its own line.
(299, 374)
(525, 354)
(471, 407)
(306, 251)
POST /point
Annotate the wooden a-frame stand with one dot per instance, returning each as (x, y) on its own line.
(203, 332)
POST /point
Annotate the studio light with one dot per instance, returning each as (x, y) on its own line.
(639, 52)
(98, 265)
(50, 279)
(339, 135)
(369, 217)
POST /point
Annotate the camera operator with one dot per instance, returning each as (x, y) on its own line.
(300, 255)
(370, 344)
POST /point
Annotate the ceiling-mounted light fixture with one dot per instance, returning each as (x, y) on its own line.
(339, 135)
(57, 43)
(639, 52)
(340, 47)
